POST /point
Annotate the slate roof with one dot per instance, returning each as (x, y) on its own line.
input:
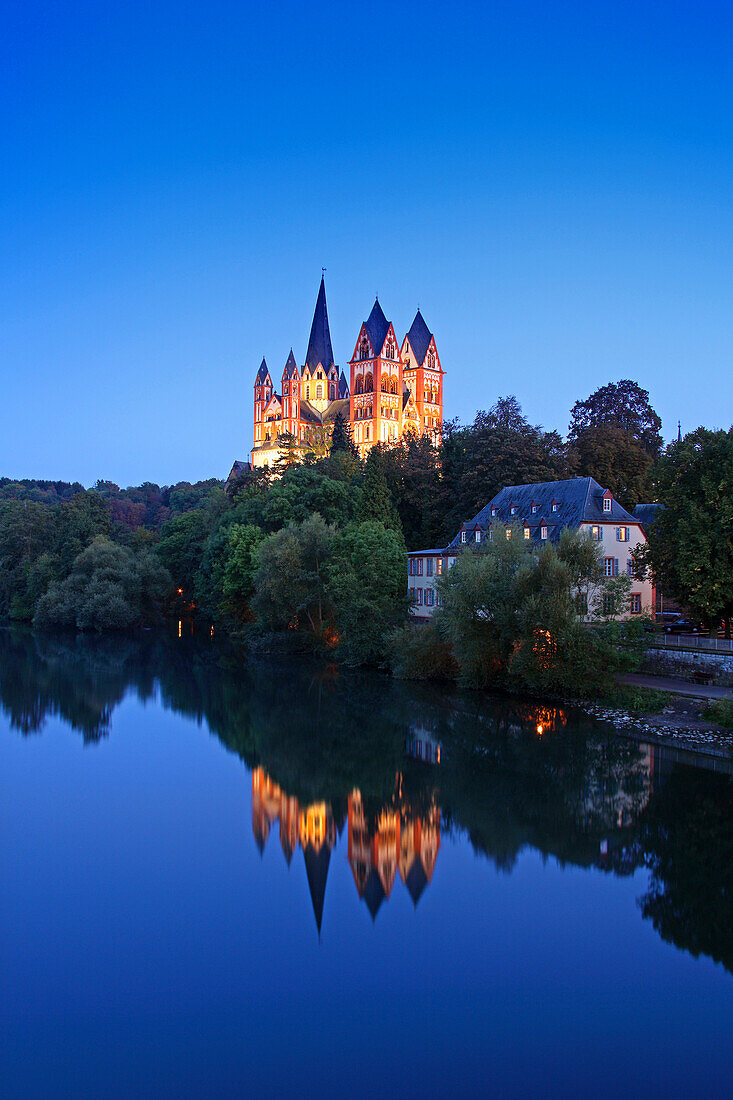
(309, 413)
(291, 367)
(419, 337)
(343, 390)
(377, 327)
(645, 514)
(262, 373)
(319, 344)
(238, 468)
(579, 500)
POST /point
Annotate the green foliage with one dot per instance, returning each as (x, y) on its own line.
(510, 614)
(624, 405)
(690, 544)
(290, 581)
(341, 436)
(109, 588)
(418, 651)
(240, 565)
(720, 711)
(367, 588)
(376, 502)
(617, 460)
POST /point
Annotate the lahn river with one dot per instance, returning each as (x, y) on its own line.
(284, 879)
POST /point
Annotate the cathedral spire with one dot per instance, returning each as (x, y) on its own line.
(319, 344)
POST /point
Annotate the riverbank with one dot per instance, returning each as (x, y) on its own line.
(681, 722)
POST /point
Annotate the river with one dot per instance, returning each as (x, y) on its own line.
(279, 878)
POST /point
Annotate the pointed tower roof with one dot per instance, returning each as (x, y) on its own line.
(419, 337)
(291, 367)
(263, 372)
(319, 344)
(343, 386)
(316, 868)
(377, 326)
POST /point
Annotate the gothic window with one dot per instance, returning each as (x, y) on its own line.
(332, 392)
(364, 349)
(319, 390)
(385, 384)
(389, 354)
(308, 393)
(368, 383)
(431, 361)
(359, 385)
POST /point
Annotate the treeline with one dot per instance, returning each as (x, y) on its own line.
(314, 551)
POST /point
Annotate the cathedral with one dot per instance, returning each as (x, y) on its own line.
(393, 389)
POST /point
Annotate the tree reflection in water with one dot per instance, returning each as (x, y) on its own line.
(400, 764)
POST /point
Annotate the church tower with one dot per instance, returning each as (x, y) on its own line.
(424, 377)
(263, 395)
(291, 396)
(376, 383)
(320, 376)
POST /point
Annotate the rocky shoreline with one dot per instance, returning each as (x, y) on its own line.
(679, 725)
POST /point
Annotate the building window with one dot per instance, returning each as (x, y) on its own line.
(429, 567)
(610, 567)
(438, 567)
(430, 597)
(440, 600)
(629, 567)
(419, 597)
(411, 593)
(419, 567)
(319, 391)
(607, 604)
(636, 603)
(596, 533)
(581, 603)
(622, 534)
(526, 532)
(543, 532)
(478, 536)
(463, 536)
(493, 511)
(554, 505)
(364, 349)
(513, 510)
(431, 361)
(491, 536)
(534, 509)
(606, 504)
(508, 533)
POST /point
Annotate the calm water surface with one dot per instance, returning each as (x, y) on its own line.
(282, 880)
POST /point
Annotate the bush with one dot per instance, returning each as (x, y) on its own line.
(720, 711)
(419, 652)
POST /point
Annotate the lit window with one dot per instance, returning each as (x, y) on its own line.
(439, 567)
(596, 533)
(543, 532)
(508, 533)
(622, 534)
(526, 532)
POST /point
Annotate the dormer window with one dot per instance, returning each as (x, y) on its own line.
(364, 349)
(508, 533)
(526, 532)
(534, 508)
(555, 505)
(463, 536)
(607, 504)
(493, 511)
(431, 361)
(543, 532)
(478, 536)
(513, 510)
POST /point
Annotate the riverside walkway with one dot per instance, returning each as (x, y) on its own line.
(677, 687)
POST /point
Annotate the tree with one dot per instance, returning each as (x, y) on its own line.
(623, 405)
(240, 566)
(109, 588)
(290, 581)
(617, 461)
(288, 455)
(367, 589)
(341, 437)
(376, 502)
(689, 547)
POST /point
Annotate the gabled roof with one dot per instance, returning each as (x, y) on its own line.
(319, 344)
(291, 367)
(419, 337)
(262, 373)
(579, 500)
(343, 390)
(238, 468)
(377, 327)
(336, 407)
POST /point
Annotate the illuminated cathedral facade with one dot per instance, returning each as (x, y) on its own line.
(394, 388)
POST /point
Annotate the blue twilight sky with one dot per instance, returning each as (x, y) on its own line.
(551, 182)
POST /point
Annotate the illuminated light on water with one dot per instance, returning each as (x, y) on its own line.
(180, 626)
(540, 729)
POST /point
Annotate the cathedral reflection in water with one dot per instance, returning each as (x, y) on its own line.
(379, 846)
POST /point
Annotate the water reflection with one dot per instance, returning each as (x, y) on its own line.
(401, 767)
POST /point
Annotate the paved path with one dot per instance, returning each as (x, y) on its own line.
(679, 687)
